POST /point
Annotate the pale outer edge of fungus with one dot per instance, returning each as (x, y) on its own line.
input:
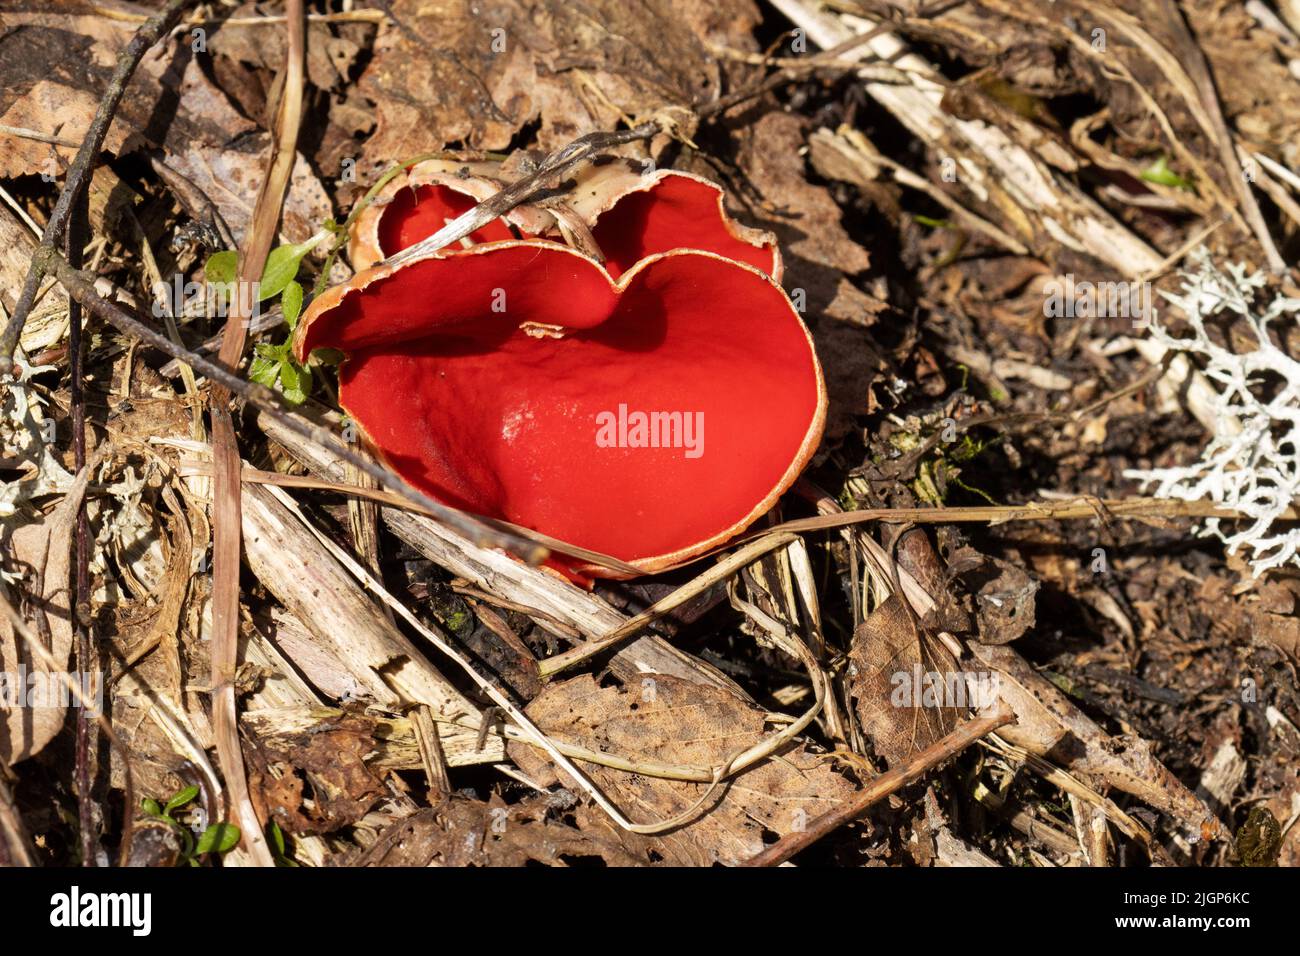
(655, 563)
(364, 251)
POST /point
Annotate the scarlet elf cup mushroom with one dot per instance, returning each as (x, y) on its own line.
(619, 370)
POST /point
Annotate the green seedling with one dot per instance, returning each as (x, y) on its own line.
(216, 838)
(273, 364)
(1160, 174)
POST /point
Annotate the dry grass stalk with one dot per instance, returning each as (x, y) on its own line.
(226, 484)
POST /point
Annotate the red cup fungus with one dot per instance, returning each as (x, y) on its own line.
(645, 390)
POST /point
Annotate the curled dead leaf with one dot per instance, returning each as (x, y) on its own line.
(670, 721)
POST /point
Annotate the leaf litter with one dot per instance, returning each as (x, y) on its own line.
(1150, 673)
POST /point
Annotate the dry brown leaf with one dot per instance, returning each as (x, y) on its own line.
(464, 832)
(819, 259)
(456, 71)
(818, 252)
(332, 48)
(54, 67)
(1281, 630)
(315, 782)
(899, 680)
(671, 721)
(1005, 600)
(1049, 725)
(232, 176)
(53, 70)
(851, 363)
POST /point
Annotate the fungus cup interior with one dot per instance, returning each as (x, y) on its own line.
(649, 413)
(415, 214)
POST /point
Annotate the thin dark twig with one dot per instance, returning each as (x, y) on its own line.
(908, 772)
(36, 646)
(74, 244)
(79, 173)
(81, 287)
(521, 189)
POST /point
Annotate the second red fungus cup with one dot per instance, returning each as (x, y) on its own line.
(649, 406)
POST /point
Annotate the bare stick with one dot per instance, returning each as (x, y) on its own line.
(911, 770)
(1080, 507)
(74, 241)
(79, 173)
(36, 135)
(718, 572)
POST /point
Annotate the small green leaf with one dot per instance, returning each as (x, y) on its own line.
(264, 371)
(181, 798)
(220, 266)
(282, 266)
(292, 376)
(151, 807)
(218, 838)
(295, 382)
(1160, 174)
(291, 303)
(277, 838)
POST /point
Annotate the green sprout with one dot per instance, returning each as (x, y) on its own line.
(216, 838)
(282, 858)
(273, 364)
(1160, 174)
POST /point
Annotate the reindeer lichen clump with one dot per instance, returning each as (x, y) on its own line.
(1252, 462)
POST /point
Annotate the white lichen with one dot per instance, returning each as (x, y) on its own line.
(27, 444)
(1252, 462)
